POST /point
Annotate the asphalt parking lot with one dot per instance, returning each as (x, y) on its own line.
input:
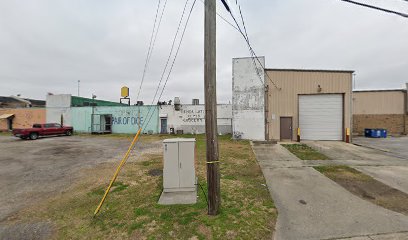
(397, 146)
(34, 170)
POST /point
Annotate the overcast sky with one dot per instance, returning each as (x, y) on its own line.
(47, 45)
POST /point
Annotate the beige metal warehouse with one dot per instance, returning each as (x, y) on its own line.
(380, 109)
(316, 101)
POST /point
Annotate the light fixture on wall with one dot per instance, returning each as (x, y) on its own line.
(319, 89)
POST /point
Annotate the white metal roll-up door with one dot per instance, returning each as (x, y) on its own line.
(321, 117)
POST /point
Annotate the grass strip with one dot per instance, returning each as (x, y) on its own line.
(367, 187)
(304, 152)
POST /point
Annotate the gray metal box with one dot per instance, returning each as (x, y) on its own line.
(179, 167)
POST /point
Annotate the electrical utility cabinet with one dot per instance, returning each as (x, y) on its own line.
(179, 169)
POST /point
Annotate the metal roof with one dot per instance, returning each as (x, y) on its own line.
(81, 101)
(307, 70)
(381, 90)
(173, 140)
(6, 116)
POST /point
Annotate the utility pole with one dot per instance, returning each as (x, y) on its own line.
(78, 86)
(213, 174)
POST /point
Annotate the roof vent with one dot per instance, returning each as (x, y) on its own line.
(177, 103)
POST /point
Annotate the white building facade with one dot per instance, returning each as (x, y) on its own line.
(190, 119)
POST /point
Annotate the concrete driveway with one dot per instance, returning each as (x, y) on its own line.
(386, 160)
(311, 206)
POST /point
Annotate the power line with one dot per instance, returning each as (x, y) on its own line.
(148, 51)
(168, 58)
(405, 15)
(237, 28)
(171, 51)
(225, 20)
(175, 56)
(153, 38)
(250, 51)
(246, 38)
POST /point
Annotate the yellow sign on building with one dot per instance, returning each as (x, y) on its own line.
(124, 92)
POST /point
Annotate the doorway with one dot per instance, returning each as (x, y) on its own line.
(10, 123)
(163, 124)
(101, 123)
(286, 128)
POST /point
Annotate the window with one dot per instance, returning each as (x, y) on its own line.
(49, 125)
(57, 125)
(37, 126)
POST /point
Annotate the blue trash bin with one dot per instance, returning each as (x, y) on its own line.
(368, 132)
(377, 133)
(384, 133)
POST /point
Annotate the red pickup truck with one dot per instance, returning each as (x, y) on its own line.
(43, 130)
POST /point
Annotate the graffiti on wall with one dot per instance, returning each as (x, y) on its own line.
(127, 117)
(127, 120)
(192, 115)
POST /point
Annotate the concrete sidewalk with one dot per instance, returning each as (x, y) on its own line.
(312, 206)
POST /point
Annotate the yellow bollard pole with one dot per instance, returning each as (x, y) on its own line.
(124, 159)
(298, 135)
(347, 135)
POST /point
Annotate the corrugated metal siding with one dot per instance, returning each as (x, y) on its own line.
(321, 116)
(80, 102)
(381, 102)
(283, 101)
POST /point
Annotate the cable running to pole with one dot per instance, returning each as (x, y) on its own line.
(152, 43)
(175, 57)
(168, 58)
(246, 38)
(405, 15)
(225, 20)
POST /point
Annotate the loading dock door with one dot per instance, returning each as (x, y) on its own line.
(321, 117)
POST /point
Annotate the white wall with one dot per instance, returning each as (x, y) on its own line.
(58, 105)
(191, 118)
(248, 104)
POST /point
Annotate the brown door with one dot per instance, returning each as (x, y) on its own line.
(286, 128)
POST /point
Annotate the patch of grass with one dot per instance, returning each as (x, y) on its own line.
(96, 192)
(141, 211)
(5, 133)
(131, 209)
(304, 152)
(118, 186)
(367, 187)
(341, 171)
